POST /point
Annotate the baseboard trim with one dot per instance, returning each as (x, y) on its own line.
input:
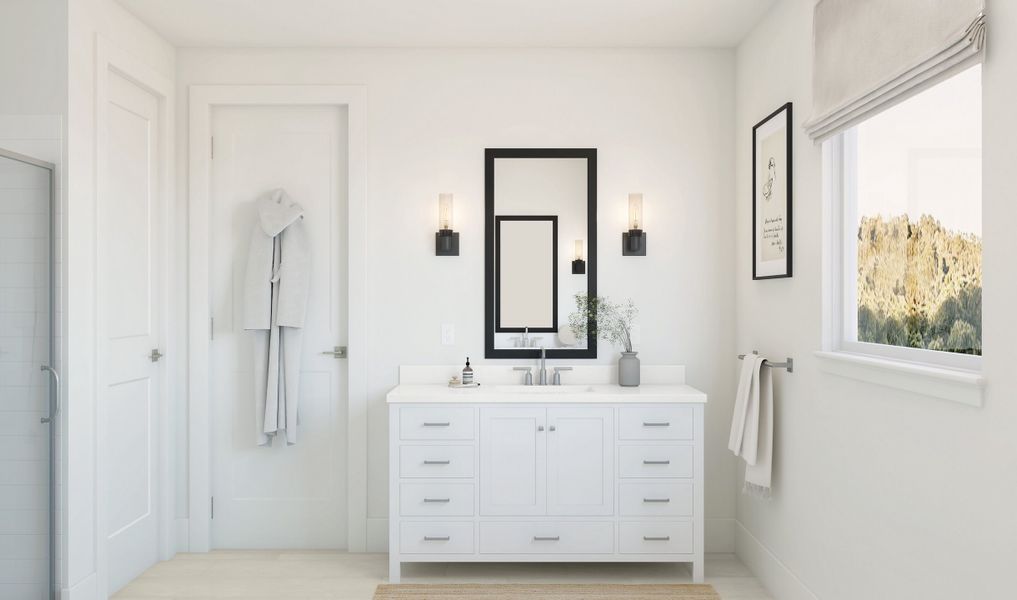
(775, 576)
(83, 590)
(720, 535)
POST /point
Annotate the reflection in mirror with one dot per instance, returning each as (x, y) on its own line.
(540, 203)
(526, 260)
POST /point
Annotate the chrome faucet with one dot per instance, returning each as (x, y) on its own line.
(542, 377)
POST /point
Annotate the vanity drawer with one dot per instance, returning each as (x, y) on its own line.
(436, 538)
(664, 422)
(547, 538)
(436, 461)
(655, 537)
(655, 461)
(436, 499)
(672, 499)
(435, 423)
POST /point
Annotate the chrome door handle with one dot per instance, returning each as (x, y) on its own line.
(656, 462)
(56, 383)
(436, 462)
(155, 355)
(663, 538)
(663, 500)
(538, 538)
(437, 538)
(336, 352)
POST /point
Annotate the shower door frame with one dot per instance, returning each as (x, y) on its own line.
(53, 407)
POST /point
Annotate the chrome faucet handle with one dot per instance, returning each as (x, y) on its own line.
(557, 374)
(529, 374)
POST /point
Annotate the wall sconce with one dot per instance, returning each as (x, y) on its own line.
(446, 241)
(578, 264)
(634, 240)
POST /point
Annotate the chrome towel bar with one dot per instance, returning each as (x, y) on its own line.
(789, 364)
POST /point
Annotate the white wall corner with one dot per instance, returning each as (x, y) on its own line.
(377, 534)
(719, 536)
(181, 542)
(779, 580)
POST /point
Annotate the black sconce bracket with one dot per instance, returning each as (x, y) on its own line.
(634, 242)
(446, 243)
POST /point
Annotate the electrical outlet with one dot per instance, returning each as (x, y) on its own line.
(448, 334)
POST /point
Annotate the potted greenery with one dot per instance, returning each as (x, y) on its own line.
(607, 320)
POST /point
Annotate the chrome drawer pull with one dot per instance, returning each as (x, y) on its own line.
(538, 538)
(437, 462)
(665, 500)
(656, 462)
(656, 424)
(437, 500)
(443, 538)
(648, 538)
(443, 424)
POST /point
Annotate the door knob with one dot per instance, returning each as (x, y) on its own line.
(155, 355)
(336, 352)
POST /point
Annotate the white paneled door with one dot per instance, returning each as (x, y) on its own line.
(279, 496)
(130, 274)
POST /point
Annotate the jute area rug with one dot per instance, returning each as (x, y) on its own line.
(551, 591)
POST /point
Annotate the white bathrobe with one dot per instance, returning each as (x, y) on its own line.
(276, 289)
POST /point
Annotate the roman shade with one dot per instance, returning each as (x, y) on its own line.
(871, 54)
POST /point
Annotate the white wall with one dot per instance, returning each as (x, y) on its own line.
(33, 57)
(88, 19)
(661, 120)
(878, 493)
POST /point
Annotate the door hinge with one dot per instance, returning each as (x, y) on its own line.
(212, 511)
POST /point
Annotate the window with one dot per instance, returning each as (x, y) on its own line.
(908, 185)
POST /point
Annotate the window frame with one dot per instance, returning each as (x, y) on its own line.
(840, 189)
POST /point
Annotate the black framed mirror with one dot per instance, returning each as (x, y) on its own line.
(540, 249)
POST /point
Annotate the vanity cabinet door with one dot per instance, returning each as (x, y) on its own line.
(580, 461)
(512, 455)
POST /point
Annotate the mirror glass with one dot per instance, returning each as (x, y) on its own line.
(541, 249)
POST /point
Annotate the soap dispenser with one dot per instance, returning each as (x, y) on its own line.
(468, 373)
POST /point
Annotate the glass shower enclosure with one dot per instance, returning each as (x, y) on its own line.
(29, 382)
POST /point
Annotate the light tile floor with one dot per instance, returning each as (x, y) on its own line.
(302, 575)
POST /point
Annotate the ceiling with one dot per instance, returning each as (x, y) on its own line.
(450, 23)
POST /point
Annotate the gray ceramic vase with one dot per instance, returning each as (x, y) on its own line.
(628, 369)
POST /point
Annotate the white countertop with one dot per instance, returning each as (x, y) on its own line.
(548, 394)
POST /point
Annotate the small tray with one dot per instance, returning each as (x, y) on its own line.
(463, 385)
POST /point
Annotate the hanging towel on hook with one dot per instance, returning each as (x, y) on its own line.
(276, 289)
(752, 425)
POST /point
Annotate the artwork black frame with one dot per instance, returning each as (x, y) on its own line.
(789, 213)
(490, 154)
(498, 220)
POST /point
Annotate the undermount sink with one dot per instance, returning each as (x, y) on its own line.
(545, 389)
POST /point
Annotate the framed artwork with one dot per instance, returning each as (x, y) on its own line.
(771, 195)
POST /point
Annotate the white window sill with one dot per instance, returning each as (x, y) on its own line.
(956, 385)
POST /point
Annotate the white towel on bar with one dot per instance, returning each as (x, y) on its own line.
(752, 425)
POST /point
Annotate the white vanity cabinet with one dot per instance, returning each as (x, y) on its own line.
(605, 474)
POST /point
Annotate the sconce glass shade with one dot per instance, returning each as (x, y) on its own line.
(635, 211)
(444, 211)
(578, 254)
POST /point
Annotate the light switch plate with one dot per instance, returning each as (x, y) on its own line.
(448, 334)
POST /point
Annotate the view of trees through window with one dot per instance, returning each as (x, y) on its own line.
(919, 217)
